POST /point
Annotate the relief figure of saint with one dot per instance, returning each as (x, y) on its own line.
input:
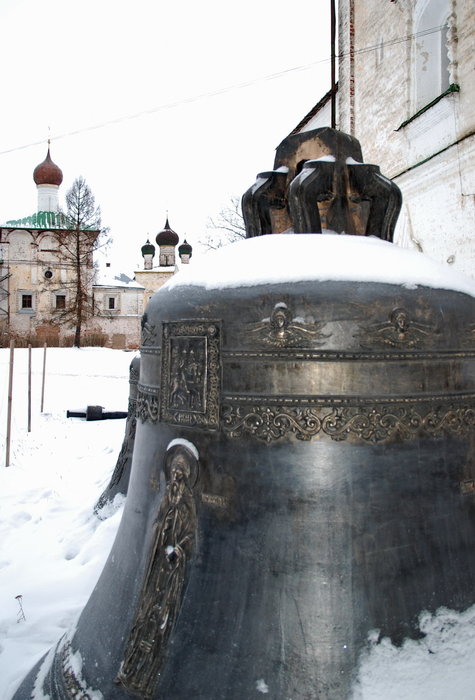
(173, 541)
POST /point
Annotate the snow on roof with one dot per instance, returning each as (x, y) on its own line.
(309, 257)
(315, 110)
(170, 269)
(107, 278)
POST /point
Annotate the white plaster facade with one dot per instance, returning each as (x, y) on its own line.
(36, 282)
(119, 308)
(47, 197)
(152, 280)
(406, 89)
(38, 279)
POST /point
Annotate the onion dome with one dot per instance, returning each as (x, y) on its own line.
(185, 249)
(167, 236)
(148, 248)
(47, 172)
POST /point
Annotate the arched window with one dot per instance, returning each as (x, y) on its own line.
(431, 60)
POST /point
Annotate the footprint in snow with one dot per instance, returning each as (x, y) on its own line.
(20, 518)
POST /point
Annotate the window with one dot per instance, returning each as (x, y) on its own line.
(27, 301)
(48, 274)
(432, 65)
(110, 303)
(60, 301)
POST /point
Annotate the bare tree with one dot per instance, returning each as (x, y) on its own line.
(80, 235)
(226, 227)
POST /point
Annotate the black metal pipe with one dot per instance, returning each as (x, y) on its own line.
(96, 413)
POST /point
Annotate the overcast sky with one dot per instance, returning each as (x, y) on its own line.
(126, 89)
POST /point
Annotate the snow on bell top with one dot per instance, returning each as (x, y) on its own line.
(167, 236)
(47, 172)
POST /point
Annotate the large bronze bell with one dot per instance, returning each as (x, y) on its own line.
(303, 473)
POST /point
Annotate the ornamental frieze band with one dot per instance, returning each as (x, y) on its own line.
(369, 419)
(339, 355)
(372, 421)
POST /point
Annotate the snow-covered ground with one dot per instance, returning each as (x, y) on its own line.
(52, 546)
(440, 666)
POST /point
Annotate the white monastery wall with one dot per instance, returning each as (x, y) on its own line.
(152, 280)
(437, 217)
(397, 58)
(119, 310)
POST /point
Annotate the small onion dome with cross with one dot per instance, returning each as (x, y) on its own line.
(167, 240)
(184, 251)
(148, 248)
(47, 172)
(148, 251)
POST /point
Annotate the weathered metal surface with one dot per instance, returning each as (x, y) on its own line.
(333, 494)
(319, 182)
(303, 473)
(119, 481)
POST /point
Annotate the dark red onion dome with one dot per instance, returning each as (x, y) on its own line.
(185, 249)
(148, 248)
(47, 172)
(167, 236)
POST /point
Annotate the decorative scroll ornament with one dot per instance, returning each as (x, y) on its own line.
(65, 675)
(374, 422)
(148, 332)
(147, 404)
(173, 541)
(401, 331)
(73, 682)
(280, 330)
(134, 374)
(191, 373)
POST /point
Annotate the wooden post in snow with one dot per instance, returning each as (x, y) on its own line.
(29, 388)
(43, 380)
(9, 409)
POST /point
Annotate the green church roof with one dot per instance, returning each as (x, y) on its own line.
(44, 220)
